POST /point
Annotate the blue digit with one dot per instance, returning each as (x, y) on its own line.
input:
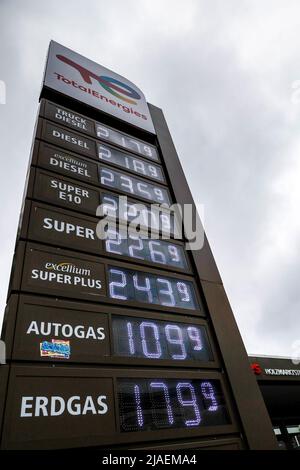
(121, 284)
(177, 340)
(152, 326)
(189, 403)
(208, 392)
(130, 338)
(195, 335)
(167, 399)
(139, 411)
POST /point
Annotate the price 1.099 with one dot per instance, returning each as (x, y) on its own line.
(160, 340)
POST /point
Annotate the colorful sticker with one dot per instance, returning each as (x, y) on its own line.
(57, 348)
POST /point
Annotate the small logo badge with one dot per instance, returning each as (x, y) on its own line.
(57, 349)
(256, 368)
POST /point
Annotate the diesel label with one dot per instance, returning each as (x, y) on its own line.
(66, 139)
(52, 158)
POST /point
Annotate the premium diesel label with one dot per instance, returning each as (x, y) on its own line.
(53, 158)
(55, 272)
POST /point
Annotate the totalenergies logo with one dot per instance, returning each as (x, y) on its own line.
(113, 86)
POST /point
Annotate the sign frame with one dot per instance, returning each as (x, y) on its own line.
(118, 437)
(29, 232)
(45, 113)
(81, 70)
(21, 267)
(15, 312)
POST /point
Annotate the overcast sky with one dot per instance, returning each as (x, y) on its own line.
(223, 72)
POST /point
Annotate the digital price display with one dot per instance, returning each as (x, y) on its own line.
(154, 404)
(70, 406)
(156, 339)
(64, 228)
(127, 284)
(130, 162)
(126, 141)
(160, 220)
(67, 193)
(122, 243)
(83, 124)
(140, 188)
(65, 273)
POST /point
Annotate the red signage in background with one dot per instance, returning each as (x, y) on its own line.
(256, 368)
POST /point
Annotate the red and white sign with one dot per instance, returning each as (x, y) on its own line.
(74, 75)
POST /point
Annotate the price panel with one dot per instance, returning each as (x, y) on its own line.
(126, 141)
(134, 186)
(67, 407)
(146, 288)
(58, 227)
(159, 403)
(137, 247)
(53, 158)
(160, 220)
(86, 146)
(129, 162)
(83, 124)
(69, 194)
(50, 329)
(53, 271)
(160, 340)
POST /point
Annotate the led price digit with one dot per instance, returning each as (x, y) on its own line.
(178, 340)
(147, 404)
(160, 404)
(150, 326)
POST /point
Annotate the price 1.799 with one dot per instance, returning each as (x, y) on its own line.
(153, 404)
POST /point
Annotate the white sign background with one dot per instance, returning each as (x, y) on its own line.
(64, 77)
